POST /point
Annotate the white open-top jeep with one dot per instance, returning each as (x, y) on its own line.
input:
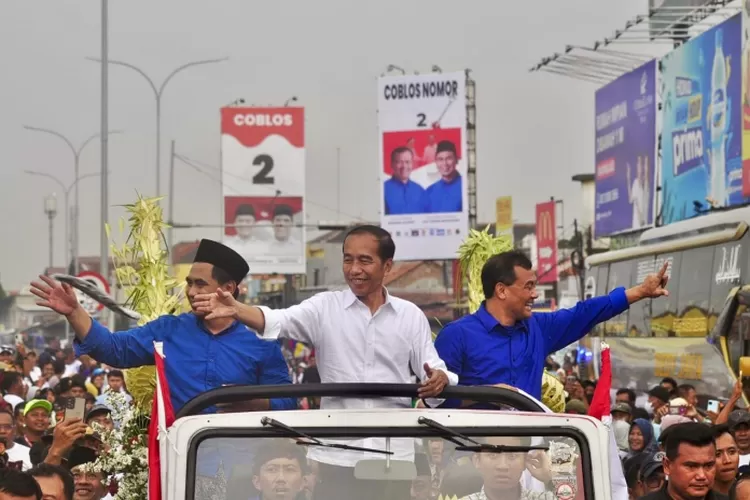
(519, 451)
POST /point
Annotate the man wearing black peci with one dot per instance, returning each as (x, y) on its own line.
(199, 354)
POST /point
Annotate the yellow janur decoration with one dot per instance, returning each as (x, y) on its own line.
(472, 254)
(142, 270)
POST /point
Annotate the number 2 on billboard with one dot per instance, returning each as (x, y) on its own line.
(263, 177)
(422, 120)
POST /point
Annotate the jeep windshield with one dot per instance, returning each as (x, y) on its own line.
(418, 454)
(425, 467)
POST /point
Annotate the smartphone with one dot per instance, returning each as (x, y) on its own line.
(678, 410)
(19, 339)
(713, 406)
(75, 408)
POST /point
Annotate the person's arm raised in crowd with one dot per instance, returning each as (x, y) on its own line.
(127, 349)
(65, 435)
(729, 407)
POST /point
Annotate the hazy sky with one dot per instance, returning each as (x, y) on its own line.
(534, 131)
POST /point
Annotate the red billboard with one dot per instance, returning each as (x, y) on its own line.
(263, 174)
(546, 242)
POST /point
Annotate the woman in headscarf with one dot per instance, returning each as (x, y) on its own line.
(641, 437)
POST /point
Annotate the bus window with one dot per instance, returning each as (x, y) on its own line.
(639, 319)
(619, 275)
(664, 309)
(725, 276)
(693, 294)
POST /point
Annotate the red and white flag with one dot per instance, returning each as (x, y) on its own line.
(162, 417)
(600, 409)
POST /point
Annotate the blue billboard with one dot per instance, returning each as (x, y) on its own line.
(625, 152)
(702, 123)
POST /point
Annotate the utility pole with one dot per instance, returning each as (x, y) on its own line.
(104, 213)
(170, 229)
(579, 266)
(50, 208)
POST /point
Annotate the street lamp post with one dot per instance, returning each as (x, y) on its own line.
(70, 235)
(158, 92)
(76, 163)
(50, 208)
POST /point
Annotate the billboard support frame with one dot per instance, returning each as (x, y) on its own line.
(471, 147)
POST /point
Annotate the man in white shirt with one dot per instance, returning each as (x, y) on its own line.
(638, 194)
(13, 388)
(284, 243)
(362, 334)
(16, 452)
(246, 241)
(72, 365)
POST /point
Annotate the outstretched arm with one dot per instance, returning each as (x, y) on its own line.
(300, 322)
(563, 327)
(126, 349)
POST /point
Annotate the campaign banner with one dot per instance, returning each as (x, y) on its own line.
(504, 218)
(423, 163)
(546, 242)
(626, 152)
(702, 123)
(263, 178)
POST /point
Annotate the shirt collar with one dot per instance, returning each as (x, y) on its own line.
(490, 323)
(350, 299)
(235, 324)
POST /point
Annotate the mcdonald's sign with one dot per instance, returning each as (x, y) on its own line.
(546, 242)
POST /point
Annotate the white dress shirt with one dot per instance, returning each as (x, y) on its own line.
(353, 345)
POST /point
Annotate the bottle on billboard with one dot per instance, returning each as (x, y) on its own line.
(718, 123)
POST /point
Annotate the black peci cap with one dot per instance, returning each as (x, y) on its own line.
(223, 257)
(244, 209)
(283, 210)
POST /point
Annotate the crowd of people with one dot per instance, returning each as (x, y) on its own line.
(672, 413)
(361, 334)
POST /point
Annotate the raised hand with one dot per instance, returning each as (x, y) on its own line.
(655, 285)
(59, 297)
(216, 305)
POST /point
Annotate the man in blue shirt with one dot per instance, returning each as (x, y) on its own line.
(199, 354)
(402, 195)
(445, 194)
(503, 343)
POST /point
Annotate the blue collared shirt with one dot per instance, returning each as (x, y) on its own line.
(445, 197)
(195, 360)
(404, 198)
(484, 352)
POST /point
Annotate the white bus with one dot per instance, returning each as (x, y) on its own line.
(699, 333)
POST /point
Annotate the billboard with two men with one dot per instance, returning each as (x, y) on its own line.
(424, 204)
(263, 174)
